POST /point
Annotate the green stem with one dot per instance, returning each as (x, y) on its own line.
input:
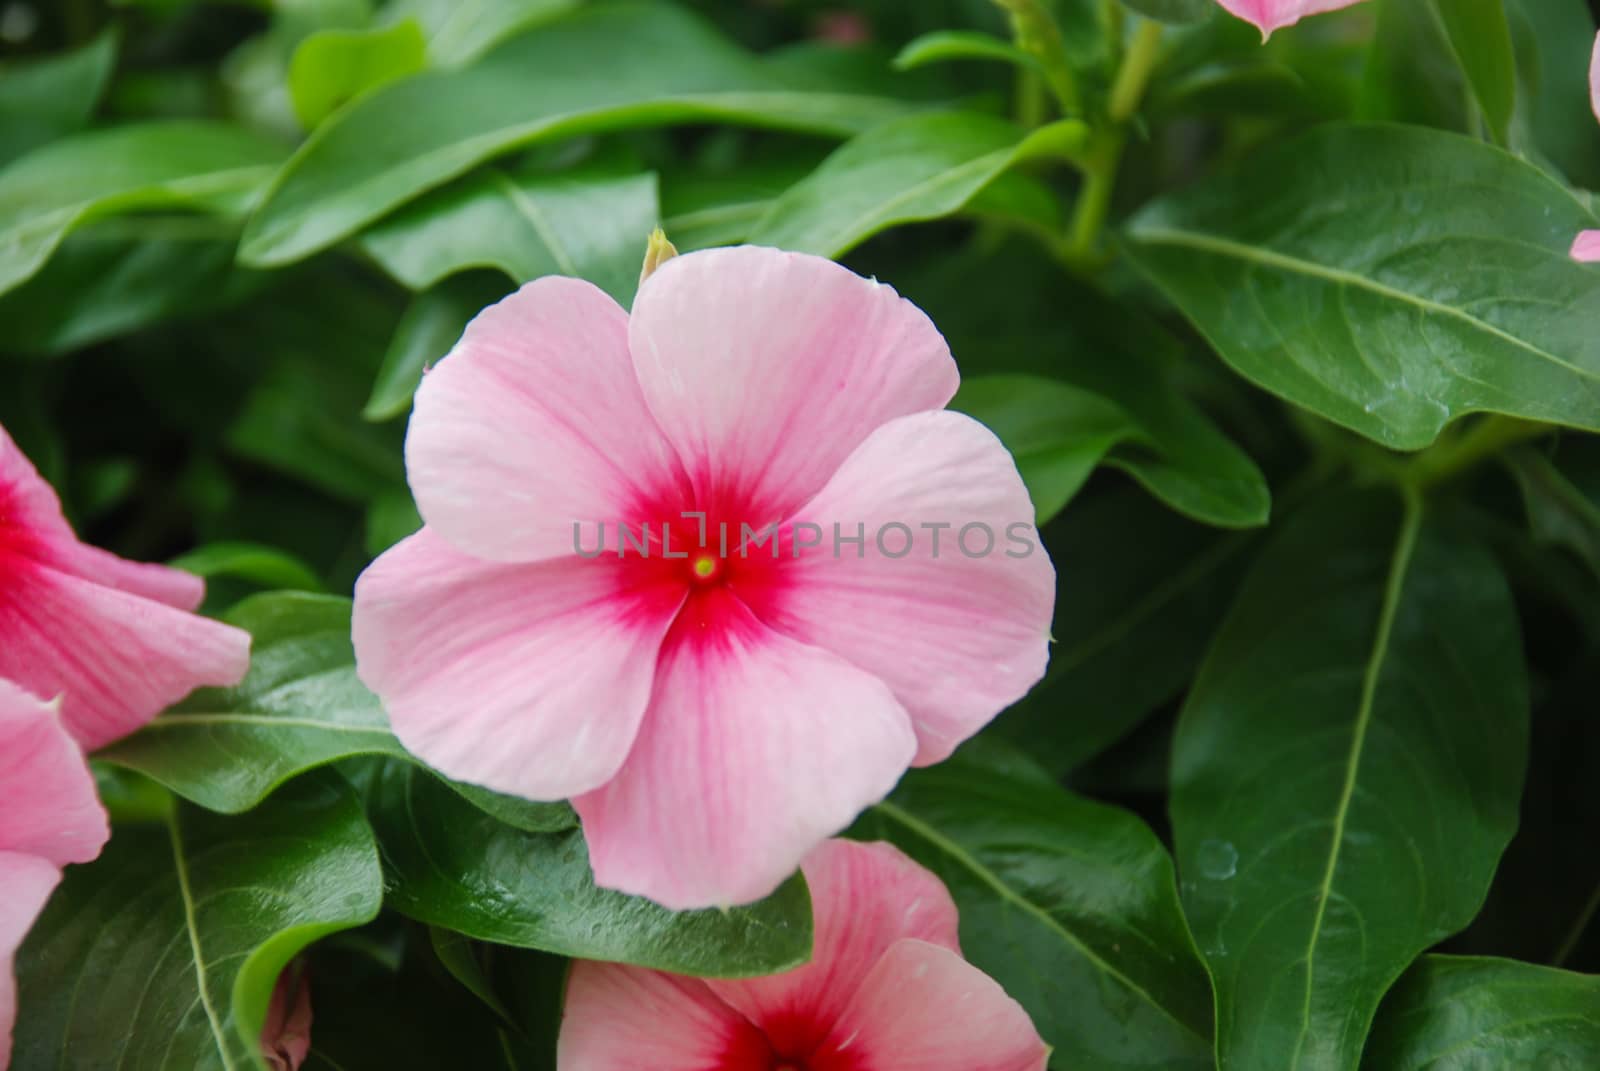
(1134, 74)
(1491, 436)
(1570, 945)
(1036, 32)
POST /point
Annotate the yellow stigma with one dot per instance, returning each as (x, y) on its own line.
(705, 567)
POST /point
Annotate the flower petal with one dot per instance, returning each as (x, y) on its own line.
(765, 369)
(924, 1008)
(864, 898)
(116, 659)
(1586, 247)
(957, 637)
(32, 524)
(1270, 15)
(534, 423)
(755, 748)
(51, 809)
(27, 881)
(528, 678)
(619, 1018)
(1594, 78)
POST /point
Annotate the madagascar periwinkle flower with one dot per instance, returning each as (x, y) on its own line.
(822, 576)
(1271, 15)
(886, 990)
(49, 817)
(113, 639)
(286, 1034)
(1586, 247)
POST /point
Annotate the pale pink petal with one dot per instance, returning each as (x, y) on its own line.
(1586, 247)
(115, 659)
(864, 898)
(1270, 15)
(32, 524)
(49, 804)
(619, 1018)
(25, 884)
(533, 423)
(924, 1008)
(765, 369)
(1594, 78)
(528, 678)
(958, 635)
(755, 749)
(286, 1035)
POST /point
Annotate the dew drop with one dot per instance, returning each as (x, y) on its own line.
(1217, 859)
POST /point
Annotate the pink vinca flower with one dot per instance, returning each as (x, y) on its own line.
(1270, 15)
(1587, 245)
(286, 1035)
(113, 638)
(886, 990)
(715, 716)
(49, 817)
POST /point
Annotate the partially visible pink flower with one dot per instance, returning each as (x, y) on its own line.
(1271, 15)
(843, 28)
(113, 638)
(886, 990)
(49, 817)
(1586, 247)
(715, 716)
(286, 1035)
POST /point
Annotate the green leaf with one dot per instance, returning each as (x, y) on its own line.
(301, 706)
(1554, 39)
(458, 31)
(163, 953)
(918, 168)
(1456, 1013)
(451, 865)
(1068, 904)
(583, 223)
(1388, 278)
(1481, 39)
(333, 67)
(1133, 618)
(43, 99)
(942, 46)
(1173, 11)
(1346, 773)
(602, 68)
(429, 329)
(262, 565)
(176, 164)
(705, 208)
(1562, 496)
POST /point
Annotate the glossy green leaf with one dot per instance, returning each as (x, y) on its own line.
(1173, 11)
(458, 31)
(265, 566)
(919, 168)
(333, 67)
(1141, 590)
(701, 209)
(1346, 773)
(1554, 39)
(602, 68)
(587, 224)
(1068, 904)
(301, 706)
(430, 328)
(1390, 279)
(1457, 1013)
(454, 866)
(942, 46)
(176, 164)
(163, 953)
(1481, 39)
(43, 99)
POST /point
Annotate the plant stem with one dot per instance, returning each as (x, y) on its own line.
(1488, 438)
(1036, 32)
(1570, 944)
(1134, 74)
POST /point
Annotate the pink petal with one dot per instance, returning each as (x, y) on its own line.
(286, 1035)
(755, 749)
(924, 1008)
(1586, 247)
(31, 524)
(1594, 78)
(533, 423)
(50, 808)
(765, 369)
(116, 659)
(620, 1018)
(1272, 15)
(864, 897)
(27, 881)
(527, 678)
(957, 638)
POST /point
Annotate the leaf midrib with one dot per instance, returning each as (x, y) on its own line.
(192, 926)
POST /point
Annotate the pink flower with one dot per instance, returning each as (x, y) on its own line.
(713, 717)
(113, 638)
(1270, 15)
(886, 990)
(49, 817)
(1586, 247)
(286, 1035)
